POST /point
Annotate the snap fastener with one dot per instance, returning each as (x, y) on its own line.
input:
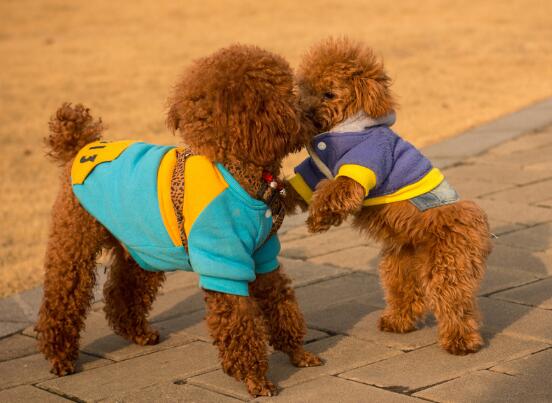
(268, 213)
(321, 146)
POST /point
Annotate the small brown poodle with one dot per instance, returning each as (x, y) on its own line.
(238, 115)
(434, 245)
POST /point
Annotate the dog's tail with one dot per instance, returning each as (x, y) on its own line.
(71, 128)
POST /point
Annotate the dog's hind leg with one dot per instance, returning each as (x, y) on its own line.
(286, 325)
(452, 279)
(74, 243)
(129, 294)
(403, 293)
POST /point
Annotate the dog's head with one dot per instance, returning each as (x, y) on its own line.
(238, 104)
(338, 78)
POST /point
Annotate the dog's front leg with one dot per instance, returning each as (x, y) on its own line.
(333, 201)
(284, 319)
(237, 327)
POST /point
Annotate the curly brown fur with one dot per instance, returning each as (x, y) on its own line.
(75, 241)
(432, 260)
(339, 77)
(239, 332)
(284, 320)
(70, 130)
(237, 107)
(332, 203)
(240, 103)
(129, 294)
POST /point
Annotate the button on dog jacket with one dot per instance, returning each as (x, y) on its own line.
(126, 187)
(389, 168)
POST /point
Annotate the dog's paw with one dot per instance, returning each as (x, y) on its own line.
(305, 358)
(395, 324)
(147, 339)
(261, 387)
(62, 368)
(317, 223)
(463, 345)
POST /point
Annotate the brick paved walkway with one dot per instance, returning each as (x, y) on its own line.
(336, 279)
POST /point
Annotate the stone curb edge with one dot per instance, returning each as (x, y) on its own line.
(481, 138)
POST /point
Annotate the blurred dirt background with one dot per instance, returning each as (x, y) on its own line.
(454, 64)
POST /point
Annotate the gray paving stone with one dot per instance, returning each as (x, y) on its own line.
(510, 257)
(352, 286)
(515, 212)
(490, 387)
(180, 279)
(361, 258)
(481, 138)
(471, 188)
(524, 143)
(138, 373)
(322, 244)
(430, 365)
(26, 393)
(16, 346)
(168, 392)
(292, 221)
(532, 193)
(98, 339)
(537, 294)
(524, 379)
(537, 238)
(193, 325)
(339, 352)
(500, 278)
(443, 163)
(177, 302)
(304, 272)
(533, 365)
(505, 172)
(301, 231)
(533, 157)
(331, 389)
(11, 311)
(359, 319)
(9, 328)
(34, 368)
(516, 320)
(499, 227)
(29, 302)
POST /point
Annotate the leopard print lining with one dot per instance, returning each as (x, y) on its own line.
(177, 191)
(250, 181)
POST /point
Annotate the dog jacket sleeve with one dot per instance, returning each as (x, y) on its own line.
(226, 229)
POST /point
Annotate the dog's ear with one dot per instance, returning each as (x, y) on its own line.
(373, 95)
(173, 117)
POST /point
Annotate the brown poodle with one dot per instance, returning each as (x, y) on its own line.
(434, 245)
(237, 113)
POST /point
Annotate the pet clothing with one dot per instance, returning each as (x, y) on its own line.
(389, 168)
(126, 187)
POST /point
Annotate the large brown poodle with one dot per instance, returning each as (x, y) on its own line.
(238, 115)
(434, 245)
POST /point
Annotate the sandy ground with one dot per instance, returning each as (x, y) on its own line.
(455, 65)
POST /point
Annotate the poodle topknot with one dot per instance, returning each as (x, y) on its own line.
(339, 77)
(237, 103)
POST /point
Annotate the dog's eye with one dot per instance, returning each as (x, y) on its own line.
(329, 95)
